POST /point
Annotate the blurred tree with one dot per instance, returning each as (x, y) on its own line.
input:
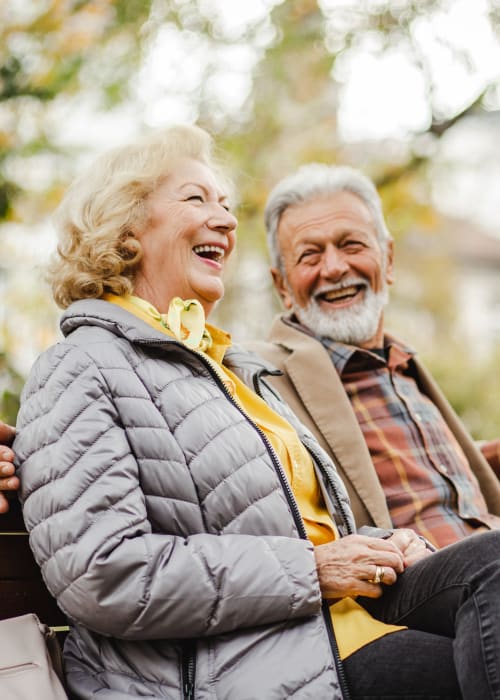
(293, 63)
(51, 50)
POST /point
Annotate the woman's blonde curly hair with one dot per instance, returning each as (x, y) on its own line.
(98, 252)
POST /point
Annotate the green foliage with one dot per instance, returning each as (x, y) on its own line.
(472, 386)
(11, 384)
(58, 51)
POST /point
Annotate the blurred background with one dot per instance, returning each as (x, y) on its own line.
(406, 90)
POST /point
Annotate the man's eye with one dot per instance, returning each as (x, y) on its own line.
(353, 245)
(308, 255)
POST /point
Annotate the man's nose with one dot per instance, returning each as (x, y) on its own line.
(333, 264)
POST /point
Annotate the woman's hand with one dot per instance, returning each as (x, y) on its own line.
(411, 546)
(348, 566)
(8, 482)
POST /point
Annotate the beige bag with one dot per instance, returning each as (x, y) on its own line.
(30, 660)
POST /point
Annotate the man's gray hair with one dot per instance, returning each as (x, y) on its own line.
(314, 180)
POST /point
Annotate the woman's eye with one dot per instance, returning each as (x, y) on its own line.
(194, 198)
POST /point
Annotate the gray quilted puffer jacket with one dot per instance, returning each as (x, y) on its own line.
(163, 524)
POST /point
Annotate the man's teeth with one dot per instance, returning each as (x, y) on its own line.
(340, 293)
(213, 251)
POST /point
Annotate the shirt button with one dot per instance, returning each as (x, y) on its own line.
(443, 468)
(418, 417)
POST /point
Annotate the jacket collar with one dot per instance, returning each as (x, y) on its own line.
(104, 314)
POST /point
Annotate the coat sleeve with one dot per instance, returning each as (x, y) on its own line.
(86, 513)
(491, 452)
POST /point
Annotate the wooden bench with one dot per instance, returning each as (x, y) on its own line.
(22, 589)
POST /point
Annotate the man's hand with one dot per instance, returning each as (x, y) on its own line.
(411, 546)
(8, 482)
(348, 566)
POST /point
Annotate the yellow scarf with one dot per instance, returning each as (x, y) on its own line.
(185, 320)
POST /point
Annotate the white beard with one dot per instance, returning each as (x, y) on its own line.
(354, 326)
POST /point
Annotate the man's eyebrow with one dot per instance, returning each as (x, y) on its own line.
(352, 231)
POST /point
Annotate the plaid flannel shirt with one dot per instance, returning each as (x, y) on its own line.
(424, 473)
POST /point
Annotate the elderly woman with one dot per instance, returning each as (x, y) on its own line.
(195, 534)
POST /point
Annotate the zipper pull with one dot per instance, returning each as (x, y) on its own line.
(188, 690)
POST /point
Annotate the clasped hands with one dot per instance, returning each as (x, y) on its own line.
(349, 566)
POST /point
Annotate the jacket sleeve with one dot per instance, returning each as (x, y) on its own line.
(491, 452)
(86, 513)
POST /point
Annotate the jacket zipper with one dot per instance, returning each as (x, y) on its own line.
(189, 661)
(188, 670)
(324, 605)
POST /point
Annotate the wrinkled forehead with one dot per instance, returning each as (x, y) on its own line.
(325, 211)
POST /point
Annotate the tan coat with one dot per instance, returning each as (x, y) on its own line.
(313, 389)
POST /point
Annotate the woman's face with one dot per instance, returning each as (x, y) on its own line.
(187, 240)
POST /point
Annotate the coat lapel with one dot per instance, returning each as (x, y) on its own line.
(320, 389)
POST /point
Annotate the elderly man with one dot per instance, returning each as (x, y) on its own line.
(402, 452)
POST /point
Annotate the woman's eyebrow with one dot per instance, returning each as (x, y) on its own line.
(193, 184)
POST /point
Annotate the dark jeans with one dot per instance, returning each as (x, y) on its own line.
(409, 664)
(455, 593)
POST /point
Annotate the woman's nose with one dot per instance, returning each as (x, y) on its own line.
(222, 220)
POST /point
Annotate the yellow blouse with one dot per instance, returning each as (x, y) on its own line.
(354, 626)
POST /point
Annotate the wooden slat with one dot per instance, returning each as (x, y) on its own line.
(22, 589)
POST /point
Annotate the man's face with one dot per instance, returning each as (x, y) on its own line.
(335, 272)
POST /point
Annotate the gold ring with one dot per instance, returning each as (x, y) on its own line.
(379, 575)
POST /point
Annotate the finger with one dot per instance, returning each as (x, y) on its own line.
(10, 483)
(405, 538)
(379, 546)
(417, 555)
(7, 433)
(4, 504)
(6, 469)
(389, 576)
(6, 454)
(383, 575)
(368, 590)
(392, 560)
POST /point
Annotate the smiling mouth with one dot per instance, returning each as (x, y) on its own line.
(210, 252)
(334, 296)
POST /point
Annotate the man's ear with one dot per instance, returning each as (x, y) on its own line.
(281, 288)
(389, 268)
